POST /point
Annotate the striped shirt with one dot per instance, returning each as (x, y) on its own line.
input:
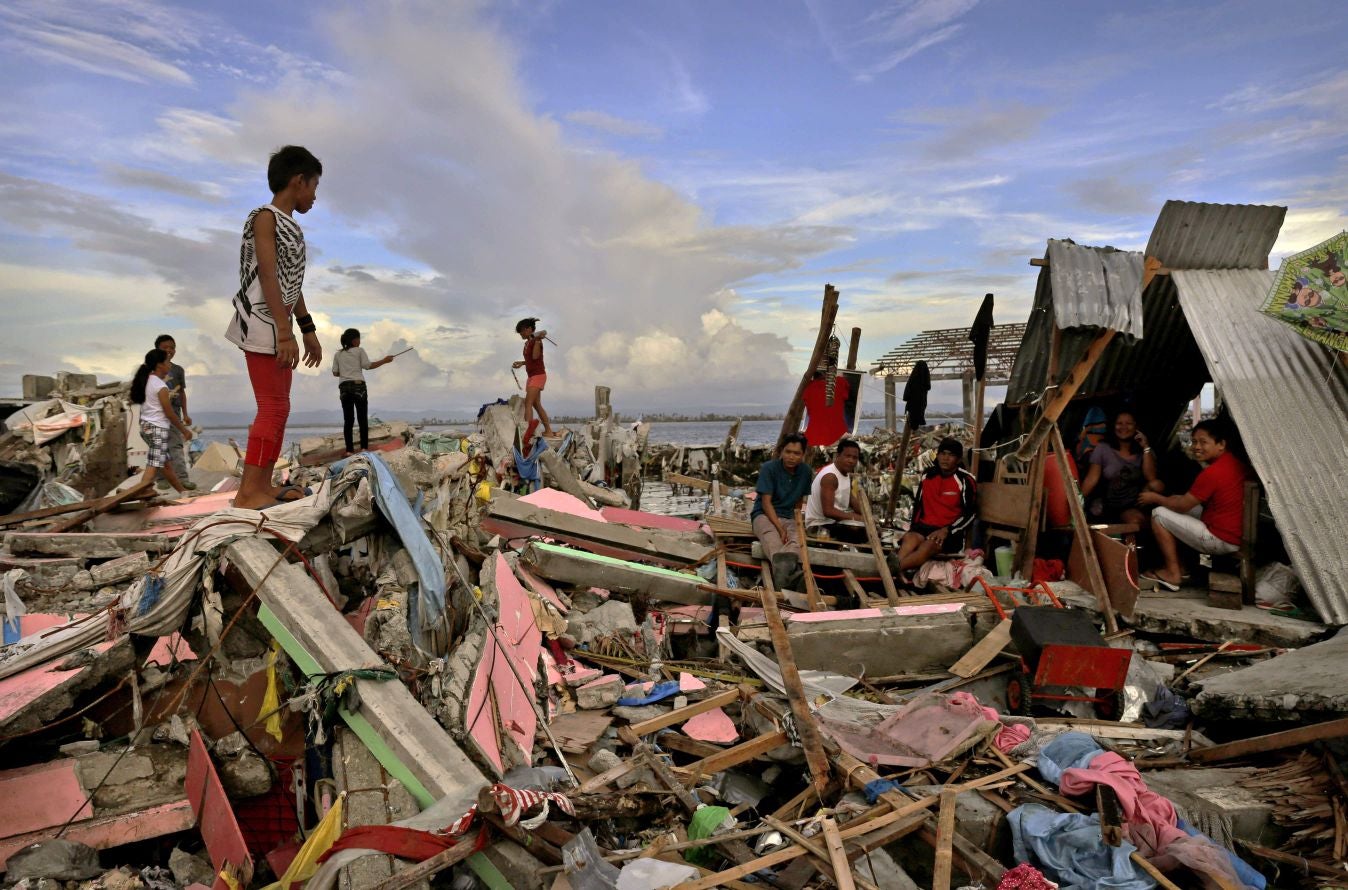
(252, 328)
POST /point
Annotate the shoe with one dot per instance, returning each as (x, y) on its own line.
(1161, 582)
(190, 486)
(785, 566)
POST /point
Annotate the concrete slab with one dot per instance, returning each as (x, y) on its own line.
(1307, 684)
(882, 642)
(375, 798)
(32, 698)
(1187, 614)
(1216, 802)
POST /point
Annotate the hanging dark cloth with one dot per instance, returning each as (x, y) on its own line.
(979, 334)
(915, 394)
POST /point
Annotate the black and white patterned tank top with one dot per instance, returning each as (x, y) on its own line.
(252, 328)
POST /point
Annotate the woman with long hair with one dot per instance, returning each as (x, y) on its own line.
(1122, 467)
(349, 365)
(149, 390)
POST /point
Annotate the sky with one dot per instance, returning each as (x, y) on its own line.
(669, 186)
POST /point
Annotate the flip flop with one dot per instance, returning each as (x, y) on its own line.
(1168, 585)
(284, 496)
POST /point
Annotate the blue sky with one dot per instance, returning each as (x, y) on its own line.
(669, 185)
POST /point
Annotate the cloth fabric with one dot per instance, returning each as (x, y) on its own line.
(411, 844)
(355, 408)
(157, 438)
(945, 501)
(271, 391)
(527, 467)
(658, 692)
(827, 421)
(176, 379)
(252, 328)
(177, 453)
(979, 334)
(1069, 849)
(842, 497)
(1221, 490)
(536, 381)
(957, 573)
(153, 410)
(1094, 429)
(705, 821)
(533, 359)
(1024, 877)
(305, 863)
(786, 488)
(1009, 737)
(772, 542)
(350, 364)
(915, 392)
(1069, 750)
(1123, 480)
(1190, 529)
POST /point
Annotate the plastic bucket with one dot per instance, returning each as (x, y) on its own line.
(1003, 557)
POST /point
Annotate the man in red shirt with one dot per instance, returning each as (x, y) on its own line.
(943, 508)
(1208, 517)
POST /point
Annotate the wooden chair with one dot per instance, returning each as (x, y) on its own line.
(1232, 591)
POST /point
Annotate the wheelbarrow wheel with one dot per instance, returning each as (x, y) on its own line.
(1019, 694)
(1108, 705)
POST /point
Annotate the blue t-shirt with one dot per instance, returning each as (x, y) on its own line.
(786, 489)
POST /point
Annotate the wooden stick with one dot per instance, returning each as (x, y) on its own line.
(791, 423)
(945, 838)
(428, 867)
(1066, 390)
(730, 757)
(1333, 729)
(795, 694)
(646, 727)
(1080, 527)
(1029, 541)
(811, 588)
(826, 863)
(873, 535)
(900, 464)
(850, 580)
(1202, 661)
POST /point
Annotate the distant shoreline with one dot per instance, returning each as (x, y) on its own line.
(649, 418)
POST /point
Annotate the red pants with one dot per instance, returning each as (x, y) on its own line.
(271, 389)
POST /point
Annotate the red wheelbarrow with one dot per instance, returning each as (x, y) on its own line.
(1060, 649)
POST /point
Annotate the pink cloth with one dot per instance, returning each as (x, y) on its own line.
(1009, 736)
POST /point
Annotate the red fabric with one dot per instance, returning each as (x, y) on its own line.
(533, 366)
(941, 501)
(1221, 490)
(827, 422)
(1024, 877)
(1047, 570)
(405, 843)
(271, 389)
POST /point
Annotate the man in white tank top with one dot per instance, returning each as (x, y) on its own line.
(829, 508)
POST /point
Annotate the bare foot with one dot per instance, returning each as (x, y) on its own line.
(254, 503)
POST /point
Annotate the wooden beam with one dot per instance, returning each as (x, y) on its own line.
(984, 651)
(877, 549)
(1061, 396)
(811, 588)
(853, 345)
(97, 504)
(689, 481)
(721, 699)
(842, 869)
(854, 586)
(900, 464)
(829, 312)
(1029, 540)
(1302, 735)
(1081, 527)
(512, 517)
(101, 507)
(795, 694)
(730, 757)
(945, 839)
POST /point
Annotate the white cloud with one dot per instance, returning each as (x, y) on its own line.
(613, 125)
(871, 37)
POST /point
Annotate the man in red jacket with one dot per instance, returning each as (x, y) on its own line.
(943, 509)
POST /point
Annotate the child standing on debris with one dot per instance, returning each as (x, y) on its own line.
(349, 365)
(537, 374)
(269, 303)
(177, 385)
(149, 390)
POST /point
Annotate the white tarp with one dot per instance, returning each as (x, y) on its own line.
(45, 421)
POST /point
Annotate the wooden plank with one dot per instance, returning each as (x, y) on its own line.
(877, 549)
(428, 867)
(101, 507)
(1276, 741)
(721, 699)
(853, 585)
(829, 312)
(99, 504)
(811, 588)
(842, 869)
(853, 345)
(1063, 394)
(741, 753)
(1029, 541)
(945, 839)
(1002, 503)
(802, 870)
(795, 694)
(859, 562)
(984, 651)
(1082, 530)
(512, 517)
(687, 481)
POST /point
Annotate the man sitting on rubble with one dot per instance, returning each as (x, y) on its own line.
(828, 512)
(1209, 517)
(943, 508)
(782, 483)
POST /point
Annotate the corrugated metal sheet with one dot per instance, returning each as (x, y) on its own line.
(1290, 399)
(1189, 235)
(1096, 287)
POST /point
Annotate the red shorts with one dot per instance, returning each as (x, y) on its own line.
(537, 381)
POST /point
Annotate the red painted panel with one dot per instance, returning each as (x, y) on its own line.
(42, 796)
(219, 829)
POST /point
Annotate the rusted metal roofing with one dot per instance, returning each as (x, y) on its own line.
(1189, 235)
(1096, 287)
(1289, 398)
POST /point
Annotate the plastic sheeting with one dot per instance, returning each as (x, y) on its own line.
(45, 421)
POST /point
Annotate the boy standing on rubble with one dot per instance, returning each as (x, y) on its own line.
(268, 306)
(537, 375)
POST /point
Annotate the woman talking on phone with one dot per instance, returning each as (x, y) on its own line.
(1122, 467)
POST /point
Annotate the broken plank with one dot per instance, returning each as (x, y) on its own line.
(877, 549)
(1082, 531)
(582, 569)
(795, 694)
(428, 867)
(741, 753)
(945, 838)
(513, 517)
(646, 727)
(1303, 735)
(96, 504)
(824, 862)
(811, 588)
(98, 508)
(842, 869)
(685, 480)
(984, 651)
(854, 586)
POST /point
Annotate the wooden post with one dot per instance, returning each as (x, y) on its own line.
(873, 535)
(811, 589)
(853, 346)
(1080, 527)
(900, 464)
(795, 694)
(602, 408)
(1067, 389)
(1030, 539)
(967, 396)
(891, 405)
(945, 839)
(980, 389)
(794, 411)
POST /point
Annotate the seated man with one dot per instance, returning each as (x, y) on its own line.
(943, 508)
(1209, 517)
(782, 483)
(828, 512)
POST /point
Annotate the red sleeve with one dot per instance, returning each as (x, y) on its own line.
(1206, 483)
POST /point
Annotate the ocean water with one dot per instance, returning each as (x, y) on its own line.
(693, 432)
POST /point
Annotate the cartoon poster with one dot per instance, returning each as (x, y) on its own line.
(1311, 293)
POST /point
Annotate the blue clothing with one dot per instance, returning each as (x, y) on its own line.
(1070, 750)
(1068, 849)
(786, 489)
